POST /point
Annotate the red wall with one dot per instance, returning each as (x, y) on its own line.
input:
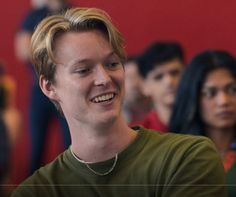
(198, 25)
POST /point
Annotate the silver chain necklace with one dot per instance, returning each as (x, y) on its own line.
(92, 170)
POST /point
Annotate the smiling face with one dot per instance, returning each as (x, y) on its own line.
(218, 100)
(89, 78)
(162, 82)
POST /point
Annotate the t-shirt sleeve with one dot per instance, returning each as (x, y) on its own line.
(198, 173)
(33, 187)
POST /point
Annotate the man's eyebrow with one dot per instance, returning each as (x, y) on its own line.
(86, 60)
(78, 62)
(111, 54)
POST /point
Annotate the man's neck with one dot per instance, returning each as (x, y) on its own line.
(94, 145)
(164, 113)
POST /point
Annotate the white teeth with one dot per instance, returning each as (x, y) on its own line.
(103, 98)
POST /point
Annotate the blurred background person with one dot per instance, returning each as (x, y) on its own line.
(10, 127)
(161, 66)
(4, 146)
(38, 3)
(10, 114)
(40, 9)
(135, 105)
(42, 111)
(206, 105)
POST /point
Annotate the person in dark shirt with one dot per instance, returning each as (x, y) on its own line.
(41, 109)
(4, 143)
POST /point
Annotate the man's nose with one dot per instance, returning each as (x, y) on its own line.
(169, 79)
(102, 76)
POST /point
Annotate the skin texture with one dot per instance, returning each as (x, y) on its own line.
(162, 82)
(87, 72)
(84, 73)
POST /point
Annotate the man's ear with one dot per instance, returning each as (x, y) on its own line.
(48, 88)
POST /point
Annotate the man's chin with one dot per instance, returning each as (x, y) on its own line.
(108, 118)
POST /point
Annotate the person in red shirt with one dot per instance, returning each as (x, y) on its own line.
(161, 66)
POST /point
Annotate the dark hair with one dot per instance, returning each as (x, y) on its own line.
(186, 116)
(158, 53)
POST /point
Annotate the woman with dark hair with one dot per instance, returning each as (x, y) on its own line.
(206, 105)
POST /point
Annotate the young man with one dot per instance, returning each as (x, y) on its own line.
(161, 66)
(78, 57)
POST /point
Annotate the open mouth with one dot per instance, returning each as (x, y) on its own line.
(103, 98)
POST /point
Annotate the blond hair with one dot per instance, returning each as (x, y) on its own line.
(73, 20)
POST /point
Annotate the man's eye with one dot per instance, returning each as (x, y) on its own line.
(158, 77)
(113, 65)
(175, 72)
(83, 71)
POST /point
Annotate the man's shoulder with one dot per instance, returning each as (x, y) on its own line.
(174, 136)
(43, 178)
(51, 169)
(178, 141)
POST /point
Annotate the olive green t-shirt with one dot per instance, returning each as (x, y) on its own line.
(154, 164)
